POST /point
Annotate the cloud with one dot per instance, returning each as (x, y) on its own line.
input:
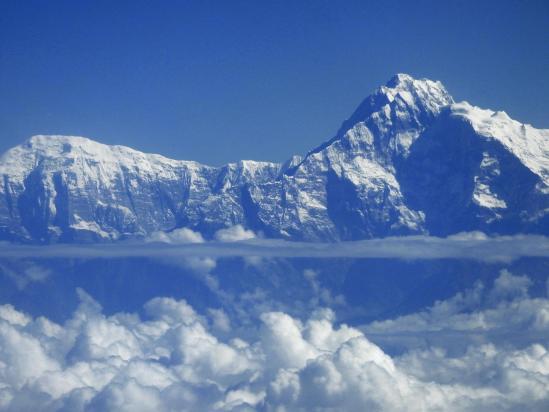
(321, 294)
(174, 358)
(220, 320)
(23, 272)
(177, 236)
(120, 362)
(234, 233)
(504, 313)
(469, 246)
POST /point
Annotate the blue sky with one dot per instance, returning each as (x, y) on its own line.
(218, 81)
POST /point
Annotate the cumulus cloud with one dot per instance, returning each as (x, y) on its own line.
(220, 320)
(94, 362)
(174, 358)
(177, 236)
(234, 233)
(503, 313)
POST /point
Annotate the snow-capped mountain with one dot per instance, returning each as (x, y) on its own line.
(408, 160)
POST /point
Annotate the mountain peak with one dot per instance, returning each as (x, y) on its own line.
(404, 104)
(405, 162)
(42, 140)
(423, 97)
(430, 95)
(398, 79)
(52, 145)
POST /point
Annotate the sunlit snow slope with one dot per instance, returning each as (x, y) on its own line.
(408, 160)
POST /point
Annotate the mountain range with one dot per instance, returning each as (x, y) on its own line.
(409, 160)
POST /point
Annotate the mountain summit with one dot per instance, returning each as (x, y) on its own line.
(408, 160)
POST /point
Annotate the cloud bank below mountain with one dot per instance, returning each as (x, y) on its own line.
(176, 358)
(244, 243)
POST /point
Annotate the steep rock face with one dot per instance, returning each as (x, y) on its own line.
(59, 188)
(476, 169)
(346, 188)
(408, 160)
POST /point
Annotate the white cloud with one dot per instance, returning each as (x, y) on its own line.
(234, 234)
(508, 286)
(119, 362)
(173, 360)
(504, 310)
(12, 316)
(23, 272)
(321, 294)
(229, 244)
(178, 236)
(220, 320)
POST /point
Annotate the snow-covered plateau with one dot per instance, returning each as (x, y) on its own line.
(409, 160)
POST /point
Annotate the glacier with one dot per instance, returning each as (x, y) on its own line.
(408, 161)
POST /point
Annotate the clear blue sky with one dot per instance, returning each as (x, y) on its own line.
(217, 81)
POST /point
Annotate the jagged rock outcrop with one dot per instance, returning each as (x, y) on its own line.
(409, 160)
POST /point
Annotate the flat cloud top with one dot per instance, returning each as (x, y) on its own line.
(474, 245)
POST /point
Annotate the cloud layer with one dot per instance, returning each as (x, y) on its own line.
(174, 358)
(239, 242)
